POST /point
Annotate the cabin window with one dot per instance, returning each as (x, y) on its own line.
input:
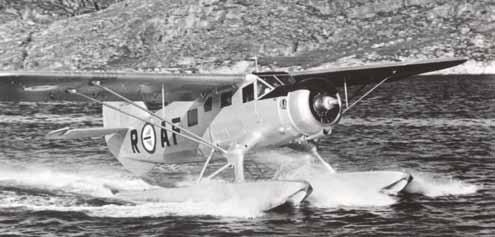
(226, 99)
(248, 93)
(192, 117)
(208, 104)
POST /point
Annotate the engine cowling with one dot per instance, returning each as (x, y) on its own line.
(326, 108)
(314, 105)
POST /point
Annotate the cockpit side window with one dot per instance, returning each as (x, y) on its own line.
(273, 81)
(226, 99)
(248, 93)
(261, 89)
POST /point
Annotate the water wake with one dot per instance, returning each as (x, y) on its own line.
(359, 189)
(151, 209)
(436, 186)
(88, 183)
(40, 189)
(335, 190)
(329, 190)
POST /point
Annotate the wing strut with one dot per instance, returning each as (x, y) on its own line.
(192, 138)
(219, 170)
(365, 94)
(163, 101)
(346, 94)
(191, 134)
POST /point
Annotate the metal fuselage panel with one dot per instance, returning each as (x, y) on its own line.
(254, 124)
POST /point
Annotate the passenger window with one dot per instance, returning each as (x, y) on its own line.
(208, 104)
(226, 99)
(248, 93)
(192, 117)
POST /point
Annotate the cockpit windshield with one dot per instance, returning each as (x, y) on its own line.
(262, 88)
(275, 79)
(270, 80)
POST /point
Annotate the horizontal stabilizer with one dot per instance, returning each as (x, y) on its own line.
(67, 133)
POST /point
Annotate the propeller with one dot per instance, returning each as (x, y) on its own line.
(327, 108)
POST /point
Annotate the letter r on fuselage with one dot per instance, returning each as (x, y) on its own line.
(134, 141)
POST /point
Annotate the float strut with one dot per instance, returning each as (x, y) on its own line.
(205, 165)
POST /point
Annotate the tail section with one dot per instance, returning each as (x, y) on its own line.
(113, 119)
(117, 129)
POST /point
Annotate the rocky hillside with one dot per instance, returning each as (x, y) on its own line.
(211, 34)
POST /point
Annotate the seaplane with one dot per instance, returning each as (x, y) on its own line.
(207, 128)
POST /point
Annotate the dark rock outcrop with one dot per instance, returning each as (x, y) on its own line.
(159, 34)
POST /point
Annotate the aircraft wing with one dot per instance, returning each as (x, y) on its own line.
(138, 86)
(374, 73)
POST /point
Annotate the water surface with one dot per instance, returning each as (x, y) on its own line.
(439, 130)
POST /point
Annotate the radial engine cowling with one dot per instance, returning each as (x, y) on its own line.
(313, 106)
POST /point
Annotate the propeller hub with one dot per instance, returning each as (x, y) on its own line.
(325, 103)
(326, 107)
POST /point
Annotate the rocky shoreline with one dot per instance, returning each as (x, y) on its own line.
(210, 35)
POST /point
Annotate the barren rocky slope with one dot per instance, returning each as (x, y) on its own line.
(210, 34)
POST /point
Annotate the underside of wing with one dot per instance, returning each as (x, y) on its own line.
(370, 74)
(144, 86)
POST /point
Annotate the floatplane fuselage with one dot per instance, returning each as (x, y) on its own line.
(227, 118)
(239, 120)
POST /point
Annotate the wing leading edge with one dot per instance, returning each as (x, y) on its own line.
(144, 86)
(46, 86)
(370, 74)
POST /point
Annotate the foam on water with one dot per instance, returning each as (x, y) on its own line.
(97, 185)
(89, 183)
(150, 209)
(329, 191)
(435, 186)
(230, 208)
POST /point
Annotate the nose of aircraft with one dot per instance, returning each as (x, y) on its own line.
(326, 108)
(325, 103)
